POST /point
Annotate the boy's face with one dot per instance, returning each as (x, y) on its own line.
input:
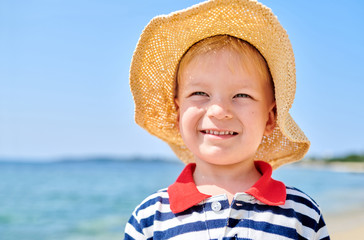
(224, 110)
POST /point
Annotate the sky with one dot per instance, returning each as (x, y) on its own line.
(64, 68)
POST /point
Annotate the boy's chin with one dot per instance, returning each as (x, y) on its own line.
(222, 161)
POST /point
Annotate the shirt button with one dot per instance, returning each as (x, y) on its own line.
(216, 206)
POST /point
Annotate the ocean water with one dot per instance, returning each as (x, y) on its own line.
(94, 199)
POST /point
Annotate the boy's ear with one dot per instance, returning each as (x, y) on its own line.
(271, 121)
(176, 104)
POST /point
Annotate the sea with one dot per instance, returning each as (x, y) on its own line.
(93, 199)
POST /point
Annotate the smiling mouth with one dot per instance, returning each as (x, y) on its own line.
(219, 133)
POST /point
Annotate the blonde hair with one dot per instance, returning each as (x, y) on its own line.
(249, 56)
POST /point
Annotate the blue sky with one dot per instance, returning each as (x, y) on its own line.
(64, 68)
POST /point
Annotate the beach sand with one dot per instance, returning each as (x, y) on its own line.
(346, 226)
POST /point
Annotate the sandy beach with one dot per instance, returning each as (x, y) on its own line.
(346, 226)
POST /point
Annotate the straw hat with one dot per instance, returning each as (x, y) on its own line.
(166, 38)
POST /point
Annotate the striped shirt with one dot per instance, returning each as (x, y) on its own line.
(268, 210)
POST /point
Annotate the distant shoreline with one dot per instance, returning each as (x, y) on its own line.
(332, 164)
(354, 167)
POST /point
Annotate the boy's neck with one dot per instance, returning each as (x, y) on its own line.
(214, 179)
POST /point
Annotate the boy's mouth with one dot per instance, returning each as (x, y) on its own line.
(219, 133)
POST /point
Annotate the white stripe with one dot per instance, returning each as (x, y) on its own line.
(323, 232)
(129, 229)
(301, 194)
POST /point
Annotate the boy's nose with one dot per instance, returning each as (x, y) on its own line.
(219, 111)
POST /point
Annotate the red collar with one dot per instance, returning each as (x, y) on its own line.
(183, 194)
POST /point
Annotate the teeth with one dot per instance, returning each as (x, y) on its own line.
(219, 133)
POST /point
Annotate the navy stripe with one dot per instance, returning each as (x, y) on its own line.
(306, 220)
(326, 238)
(276, 210)
(147, 222)
(165, 216)
(132, 221)
(128, 237)
(201, 208)
(190, 227)
(151, 202)
(306, 196)
(290, 213)
(321, 224)
(304, 201)
(297, 190)
(194, 209)
(180, 229)
(235, 238)
(159, 216)
(264, 226)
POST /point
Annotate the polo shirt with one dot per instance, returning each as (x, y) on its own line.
(268, 210)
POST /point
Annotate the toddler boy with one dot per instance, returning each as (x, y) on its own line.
(216, 82)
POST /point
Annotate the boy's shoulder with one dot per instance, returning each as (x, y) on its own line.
(296, 194)
(301, 202)
(157, 198)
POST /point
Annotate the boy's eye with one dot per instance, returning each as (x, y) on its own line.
(241, 95)
(198, 94)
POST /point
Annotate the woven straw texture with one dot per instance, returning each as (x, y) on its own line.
(166, 38)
